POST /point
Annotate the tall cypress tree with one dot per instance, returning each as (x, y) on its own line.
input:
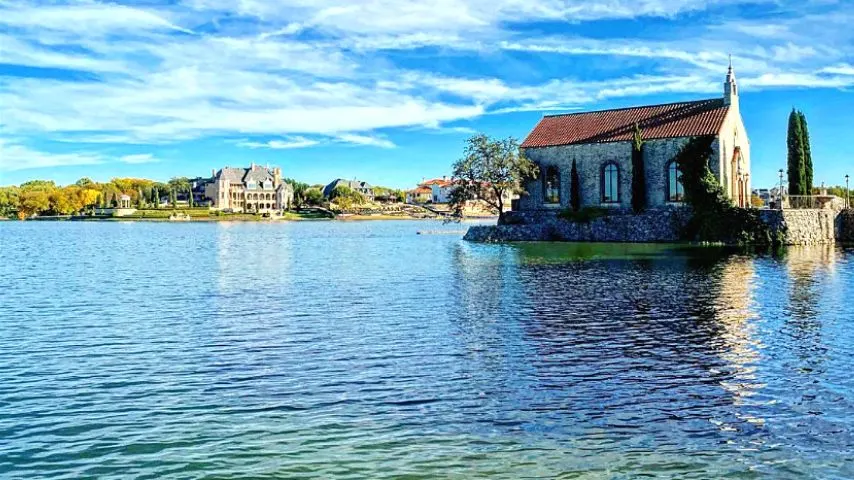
(638, 175)
(808, 171)
(574, 188)
(796, 160)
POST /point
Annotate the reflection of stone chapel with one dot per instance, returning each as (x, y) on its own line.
(600, 142)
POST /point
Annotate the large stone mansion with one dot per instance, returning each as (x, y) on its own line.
(255, 189)
(600, 143)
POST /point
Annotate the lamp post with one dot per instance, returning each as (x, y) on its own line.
(781, 189)
(847, 193)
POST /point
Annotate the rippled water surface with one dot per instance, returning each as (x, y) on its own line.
(363, 350)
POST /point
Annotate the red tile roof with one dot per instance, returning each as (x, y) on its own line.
(684, 119)
(442, 182)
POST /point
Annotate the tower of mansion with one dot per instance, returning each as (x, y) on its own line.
(600, 142)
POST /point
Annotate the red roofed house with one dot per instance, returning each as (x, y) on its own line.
(601, 144)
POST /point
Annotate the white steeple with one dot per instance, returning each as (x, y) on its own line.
(730, 87)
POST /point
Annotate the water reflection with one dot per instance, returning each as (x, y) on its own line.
(636, 345)
(363, 350)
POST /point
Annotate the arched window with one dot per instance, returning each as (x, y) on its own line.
(551, 185)
(675, 190)
(610, 183)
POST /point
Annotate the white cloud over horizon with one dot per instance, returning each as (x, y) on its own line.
(303, 73)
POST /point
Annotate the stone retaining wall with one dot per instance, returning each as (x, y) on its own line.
(795, 227)
(803, 227)
(662, 225)
(845, 226)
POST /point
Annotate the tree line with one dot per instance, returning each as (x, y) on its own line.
(45, 197)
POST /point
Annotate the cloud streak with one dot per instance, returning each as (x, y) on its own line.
(302, 74)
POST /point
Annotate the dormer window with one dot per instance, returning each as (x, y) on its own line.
(251, 185)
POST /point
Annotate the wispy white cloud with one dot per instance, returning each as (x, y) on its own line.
(294, 142)
(841, 69)
(139, 158)
(91, 19)
(367, 140)
(313, 72)
(16, 156)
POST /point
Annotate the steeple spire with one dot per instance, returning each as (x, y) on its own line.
(730, 86)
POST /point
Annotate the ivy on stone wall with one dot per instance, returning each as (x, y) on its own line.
(638, 175)
(715, 218)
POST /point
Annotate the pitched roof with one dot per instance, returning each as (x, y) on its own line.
(683, 119)
(353, 184)
(258, 174)
(233, 175)
(442, 182)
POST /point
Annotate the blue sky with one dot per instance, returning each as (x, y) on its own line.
(388, 90)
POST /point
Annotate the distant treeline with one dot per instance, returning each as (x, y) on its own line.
(44, 197)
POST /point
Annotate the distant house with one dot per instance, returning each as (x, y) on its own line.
(364, 188)
(419, 195)
(436, 190)
(255, 189)
(197, 188)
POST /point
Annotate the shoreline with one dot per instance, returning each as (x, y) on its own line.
(354, 218)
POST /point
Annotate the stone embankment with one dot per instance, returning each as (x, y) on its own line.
(794, 227)
(662, 225)
(845, 226)
(803, 227)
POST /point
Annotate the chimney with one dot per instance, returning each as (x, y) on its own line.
(213, 172)
(252, 166)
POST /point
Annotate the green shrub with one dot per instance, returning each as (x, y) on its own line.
(715, 218)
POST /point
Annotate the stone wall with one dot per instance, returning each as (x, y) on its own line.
(662, 225)
(592, 157)
(845, 226)
(803, 227)
(795, 227)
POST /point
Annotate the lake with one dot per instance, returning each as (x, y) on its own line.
(362, 350)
